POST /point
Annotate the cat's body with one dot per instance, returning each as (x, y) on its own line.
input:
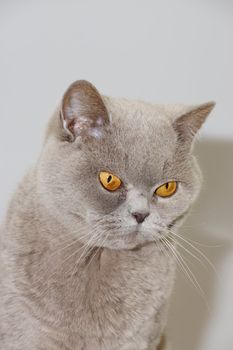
(122, 308)
(73, 277)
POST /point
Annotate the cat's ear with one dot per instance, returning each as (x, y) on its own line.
(83, 112)
(187, 124)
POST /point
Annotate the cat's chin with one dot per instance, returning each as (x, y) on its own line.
(131, 240)
(126, 245)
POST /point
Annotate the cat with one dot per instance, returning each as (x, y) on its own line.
(85, 245)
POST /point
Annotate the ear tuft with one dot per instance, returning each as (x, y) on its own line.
(83, 112)
(188, 124)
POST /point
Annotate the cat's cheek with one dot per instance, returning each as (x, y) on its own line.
(102, 201)
(174, 207)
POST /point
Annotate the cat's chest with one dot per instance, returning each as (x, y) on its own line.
(137, 282)
(122, 299)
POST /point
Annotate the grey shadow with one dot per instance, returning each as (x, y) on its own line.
(210, 223)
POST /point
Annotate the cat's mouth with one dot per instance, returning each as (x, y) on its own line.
(135, 230)
(135, 237)
(124, 235)
(140, 232)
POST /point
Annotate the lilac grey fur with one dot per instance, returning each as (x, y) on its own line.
(55, 293)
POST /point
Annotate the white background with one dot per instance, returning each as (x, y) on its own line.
(160, 51)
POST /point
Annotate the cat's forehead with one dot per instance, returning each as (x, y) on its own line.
(141, 140)
(125, 109)
(122, 107)
(140, 125)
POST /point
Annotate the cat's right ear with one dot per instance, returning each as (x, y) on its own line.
(83, 112)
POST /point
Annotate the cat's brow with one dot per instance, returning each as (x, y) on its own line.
(166, 165)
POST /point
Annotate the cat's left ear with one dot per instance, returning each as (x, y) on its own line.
(188, 124)
(83, 112)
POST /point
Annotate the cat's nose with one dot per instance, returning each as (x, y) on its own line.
(140, 217)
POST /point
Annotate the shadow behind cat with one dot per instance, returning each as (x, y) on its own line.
(210, 223)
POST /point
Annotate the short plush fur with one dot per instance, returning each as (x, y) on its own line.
(77, 270)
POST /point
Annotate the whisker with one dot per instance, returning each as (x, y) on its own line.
(198, 251)
(67, 258)
(87, 248)
(101, 246)
(189, 273)
(188, 251)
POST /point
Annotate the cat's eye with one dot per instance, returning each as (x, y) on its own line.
(167, 189)
(109, 181)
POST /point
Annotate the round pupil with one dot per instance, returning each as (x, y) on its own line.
(109, 179)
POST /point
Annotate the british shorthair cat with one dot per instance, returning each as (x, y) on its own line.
(85, 261)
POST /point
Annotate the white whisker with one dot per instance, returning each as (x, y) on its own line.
(187, 271)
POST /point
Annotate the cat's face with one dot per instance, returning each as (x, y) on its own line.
(103, 167)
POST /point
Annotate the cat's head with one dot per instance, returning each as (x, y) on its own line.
(119, 173)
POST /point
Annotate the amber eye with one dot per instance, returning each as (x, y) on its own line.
(109, 181)
(167, 189)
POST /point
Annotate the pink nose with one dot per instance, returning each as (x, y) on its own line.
(140, 217)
